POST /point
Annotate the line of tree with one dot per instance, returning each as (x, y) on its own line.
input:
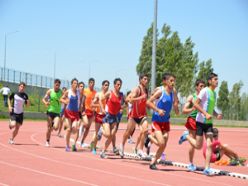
(179, 58)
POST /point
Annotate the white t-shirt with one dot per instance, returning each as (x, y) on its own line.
(5, 90)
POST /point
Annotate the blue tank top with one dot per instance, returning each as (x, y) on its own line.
(165, 103)
(73, 103)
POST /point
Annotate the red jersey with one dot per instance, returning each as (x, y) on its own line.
(139, 107)
(114, 104)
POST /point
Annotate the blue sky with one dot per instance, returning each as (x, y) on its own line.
(103, 38)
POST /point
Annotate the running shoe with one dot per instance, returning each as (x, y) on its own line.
(11, 142)
(141, 154)
(103, 155)
(67, 149)
(130, 141)
(153, 166)
(121, 151)
(73, 148)
(191, 167)
(93, 151)
(84, 145)
(47, 144)
(183, 137)
(116, 151)
(208, 172)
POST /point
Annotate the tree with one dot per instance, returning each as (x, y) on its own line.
(244, 107)
(205, 68)
(172, 56)
(235, 100)
(223, 101)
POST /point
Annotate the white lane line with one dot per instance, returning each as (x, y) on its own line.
(47, 174)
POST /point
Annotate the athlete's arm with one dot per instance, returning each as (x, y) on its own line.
(9, 102)
(45, 98)
(175, 102)
(150, 102)
(186, 108)
(64, 99)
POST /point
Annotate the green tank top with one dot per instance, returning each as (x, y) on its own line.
(194, 112)
(55, 104)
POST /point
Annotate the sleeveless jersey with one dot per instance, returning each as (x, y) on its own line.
(165, 103)
(139, 107)
(114, 104)
(98, 108)
(73, 103)
(194, 112)
(89, 98)
(55, 104)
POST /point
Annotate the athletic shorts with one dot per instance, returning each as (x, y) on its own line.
(119, 116)
(190, 124)
(73, 116)
(99, 118)
(140, 120)
(16, 117)
(215, 156)
(89, 113)
(53, 115)
(109, 118)
(203, 128)
(160, 126)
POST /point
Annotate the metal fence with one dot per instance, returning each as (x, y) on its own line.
(14, 76)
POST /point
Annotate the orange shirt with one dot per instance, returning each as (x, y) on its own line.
(89, 98)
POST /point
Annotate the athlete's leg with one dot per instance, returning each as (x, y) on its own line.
(191, 148)
(161, 146)
(87, 128)
(143, 132)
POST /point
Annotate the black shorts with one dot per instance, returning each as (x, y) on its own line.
(203, 128)
(139, 120)
(16, 117)
(53, 115)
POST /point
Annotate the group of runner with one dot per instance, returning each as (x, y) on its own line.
(78, 107)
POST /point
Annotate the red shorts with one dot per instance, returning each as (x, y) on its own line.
(73, 116)
(89, 113)
(99, 117)
(190, 124)
(160, 126)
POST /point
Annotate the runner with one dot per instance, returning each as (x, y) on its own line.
(99, 104)
(205, 104)
(52, 101)
(89, 116)
(72, 99)
(191, 123)
(15, 104)
(219, 149)
(62, 116)
(138, 115)
(112, 109)
(165, 97)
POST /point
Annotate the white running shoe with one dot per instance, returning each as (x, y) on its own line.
(47, 144)
(85, 145)
(141, 153)
(11, 142)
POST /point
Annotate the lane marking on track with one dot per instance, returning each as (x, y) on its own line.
(47, 174)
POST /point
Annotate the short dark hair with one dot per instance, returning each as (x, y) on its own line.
(211, 76)
(198, 81)
(91, 79)
(167, 75)
(64, 88)
(74, 79)
(57, 81)
(105, 81)
(141, 76)
(117, 79)
(81, 82)
(22, 83)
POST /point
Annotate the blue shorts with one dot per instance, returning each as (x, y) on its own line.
(109, 118)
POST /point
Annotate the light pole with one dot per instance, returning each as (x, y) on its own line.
(154, 43)
(5, 51)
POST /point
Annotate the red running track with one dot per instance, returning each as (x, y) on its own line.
(29, 162)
